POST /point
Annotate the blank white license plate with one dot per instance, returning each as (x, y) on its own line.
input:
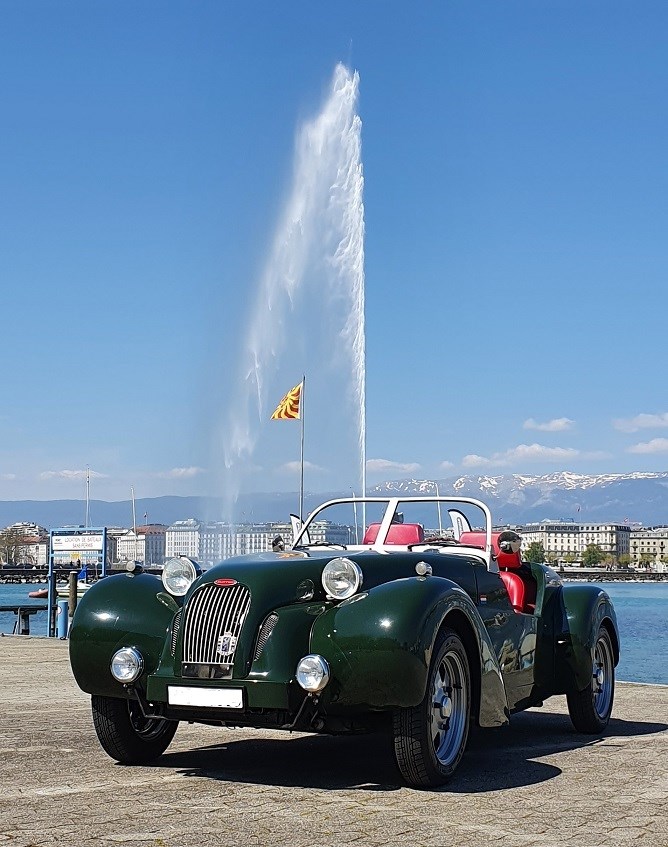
(214, 698)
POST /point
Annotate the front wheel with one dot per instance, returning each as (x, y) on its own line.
(590, 709)
(126, 734)
(430, 738)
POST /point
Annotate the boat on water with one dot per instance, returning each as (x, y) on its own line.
(63, 589)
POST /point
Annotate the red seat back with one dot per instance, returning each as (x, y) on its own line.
(521, 591)
(399, 533)
(474, 539)
(477, 539)
(516, 589)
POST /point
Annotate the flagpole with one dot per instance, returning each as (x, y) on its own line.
(301, 484)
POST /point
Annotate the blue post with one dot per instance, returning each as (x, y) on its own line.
(62, 618)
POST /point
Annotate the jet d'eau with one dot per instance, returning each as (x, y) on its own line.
(308, 315)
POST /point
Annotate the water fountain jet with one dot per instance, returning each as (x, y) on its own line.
(316, 261)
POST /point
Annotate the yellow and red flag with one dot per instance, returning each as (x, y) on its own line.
(288, 408)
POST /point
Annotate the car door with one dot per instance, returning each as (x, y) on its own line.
(513, 635)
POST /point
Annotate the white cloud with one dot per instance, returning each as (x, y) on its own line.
(181, 473)
(642, 421)
(446, 466)
(474, 461)
(555, 425)
(539, 453)
(385, 466)
(8, 476)
(295, 467)
(530, 453)
(656, 445)
(70, 475)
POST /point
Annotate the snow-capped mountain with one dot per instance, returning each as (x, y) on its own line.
(519, 498)
(513, 499)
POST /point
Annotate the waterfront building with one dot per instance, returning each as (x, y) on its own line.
(182, 538)
(147, 546)
(559, 538)
(212, 542)
(567, 540)
(25, 543)
(114, 534)
(614, 539)
(649, 548)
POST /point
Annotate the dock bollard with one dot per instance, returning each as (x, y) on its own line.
(62, 618)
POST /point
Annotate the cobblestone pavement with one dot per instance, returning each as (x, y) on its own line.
(535, 783)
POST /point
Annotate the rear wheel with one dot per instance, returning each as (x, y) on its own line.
(125, 734)
(590, 709)
(430, 738)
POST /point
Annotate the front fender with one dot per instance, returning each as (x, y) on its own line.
(125, 610)
(584, 609)
(379, 645)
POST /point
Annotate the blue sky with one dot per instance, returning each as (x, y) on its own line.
(516, 207)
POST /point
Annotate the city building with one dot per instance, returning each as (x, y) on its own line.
(147, 546)
(182, 538)
(209, 543)
(559, 538)
(567, 540)
(649, 548)
(25, 543)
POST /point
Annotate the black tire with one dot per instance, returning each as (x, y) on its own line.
(590, 709)
(430, 738)
(125, 734)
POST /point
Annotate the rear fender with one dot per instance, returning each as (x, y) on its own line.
(125, 610)
(584, 609)
(379, 646)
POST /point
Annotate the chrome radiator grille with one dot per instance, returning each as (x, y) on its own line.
(176, 625)
(212, 624)
(265, 631)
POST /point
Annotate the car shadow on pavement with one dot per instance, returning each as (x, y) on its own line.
(366, 762)
(532, 735)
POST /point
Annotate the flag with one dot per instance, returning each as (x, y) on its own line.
(288, 408)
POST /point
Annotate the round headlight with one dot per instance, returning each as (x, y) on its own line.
(178, 575)
(313, 673)
(341, 578)
(126, 664)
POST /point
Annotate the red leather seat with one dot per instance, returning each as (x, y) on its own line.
(398, 533)
(521, 588)
(475, 539)
(509, 563)
(516, 589)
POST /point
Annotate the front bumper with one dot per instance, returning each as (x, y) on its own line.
(256, 694)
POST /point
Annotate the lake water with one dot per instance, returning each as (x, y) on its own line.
(642, 614)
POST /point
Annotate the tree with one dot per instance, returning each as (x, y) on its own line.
(569, 558)
(624, 560)
(12, 546)
(535, 552)
(592, 556)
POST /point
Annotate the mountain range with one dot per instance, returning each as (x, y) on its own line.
(513, 499)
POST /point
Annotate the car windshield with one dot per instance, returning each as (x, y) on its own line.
(408, 520)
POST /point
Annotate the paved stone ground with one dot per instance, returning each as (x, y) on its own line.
(535, 783)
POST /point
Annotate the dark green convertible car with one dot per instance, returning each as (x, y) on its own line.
(410, 616)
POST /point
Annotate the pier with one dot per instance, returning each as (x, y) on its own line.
(534, 783)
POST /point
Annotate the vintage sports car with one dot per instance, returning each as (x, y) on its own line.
(407, 615)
